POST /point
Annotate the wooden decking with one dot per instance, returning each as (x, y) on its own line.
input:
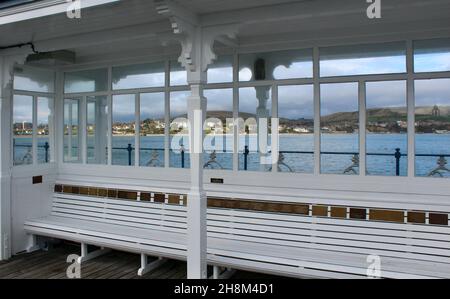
(114, 265)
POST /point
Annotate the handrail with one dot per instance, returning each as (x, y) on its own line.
(442, 162)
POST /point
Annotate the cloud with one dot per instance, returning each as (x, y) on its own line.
(339, 97)
(363, 66)
(432, 92)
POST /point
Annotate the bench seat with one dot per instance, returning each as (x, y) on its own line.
(289, 245)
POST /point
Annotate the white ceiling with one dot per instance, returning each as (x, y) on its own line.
(262, 22)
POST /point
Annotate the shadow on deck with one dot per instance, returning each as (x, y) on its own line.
(114, 265)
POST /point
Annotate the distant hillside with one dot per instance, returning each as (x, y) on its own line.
(384, 114)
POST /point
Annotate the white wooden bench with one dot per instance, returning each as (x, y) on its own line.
(283, 244)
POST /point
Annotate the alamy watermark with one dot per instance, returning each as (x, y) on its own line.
(73, 10)
(255, 135)
(374, 266)
(74, 269)
(374, 9)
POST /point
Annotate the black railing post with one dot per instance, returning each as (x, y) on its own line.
(129, 149)
(398, 156)
(182, 157)
(46, 147)
(246, 152)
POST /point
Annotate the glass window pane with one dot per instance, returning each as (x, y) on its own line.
(22, 130)
(86, 81)
(178, 75)
(123, 129)
(432, 127)
(363, 60)
(387, 128)
(432, 55)
(44, 128)
(32, 79)
(218, 144)
(138, 76)
(221, 71)
(255, 104)
(339, 128)
(276, 65)
(179, 132)
(296, 128)
(72, 153)
(153, 107)
(97, 130)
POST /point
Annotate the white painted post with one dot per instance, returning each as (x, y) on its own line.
(196, 215)
(262, 112)
(6, 86)
(197, 54)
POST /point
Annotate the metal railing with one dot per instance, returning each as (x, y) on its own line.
(439, 170)
(46, 148)
(397, 155)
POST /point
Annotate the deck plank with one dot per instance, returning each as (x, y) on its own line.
(52, 264)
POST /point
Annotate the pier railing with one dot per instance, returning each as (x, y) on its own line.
(397, 155)
(154, 161)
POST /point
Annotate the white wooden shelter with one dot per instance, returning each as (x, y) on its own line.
(81, 75)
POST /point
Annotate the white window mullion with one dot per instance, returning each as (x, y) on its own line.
(235, 112)
(58, 116)
(34, 148)
(110, 111)
(317, 133)
(110, 151)
(83, 129)
(411, 109)
(167, 117)
(137, 131)
(275, 136)
(362, 128)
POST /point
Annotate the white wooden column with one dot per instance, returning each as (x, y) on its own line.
(196, 231)
(7, 64)
(196, 55)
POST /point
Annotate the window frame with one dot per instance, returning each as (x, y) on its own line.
(409, 76)
(34, 144)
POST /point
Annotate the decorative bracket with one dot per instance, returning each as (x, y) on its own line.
(7, 65)
(197, 42)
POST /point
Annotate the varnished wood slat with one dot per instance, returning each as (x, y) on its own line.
(112, 193)
(174, 199)
(84, 191)
(338, 212)
(387, 215)
(145, 196)
(129, 195)
(159, 197)
(75, 190)
(58, 188)
(438, 219)
(93, 191)
(358, 213)
(321, 211)
(102, 192)
(67, 189)
(417, 217)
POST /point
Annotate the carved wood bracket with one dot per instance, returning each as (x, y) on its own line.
(196, 40)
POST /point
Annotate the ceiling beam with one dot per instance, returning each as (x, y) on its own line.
(43, 9)
(317, 8)
(159, 32)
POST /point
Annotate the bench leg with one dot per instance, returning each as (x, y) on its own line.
(146, 267)
(217, 274)
(32, 244)
(86, 256)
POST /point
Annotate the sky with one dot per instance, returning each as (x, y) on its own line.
(295, 102)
